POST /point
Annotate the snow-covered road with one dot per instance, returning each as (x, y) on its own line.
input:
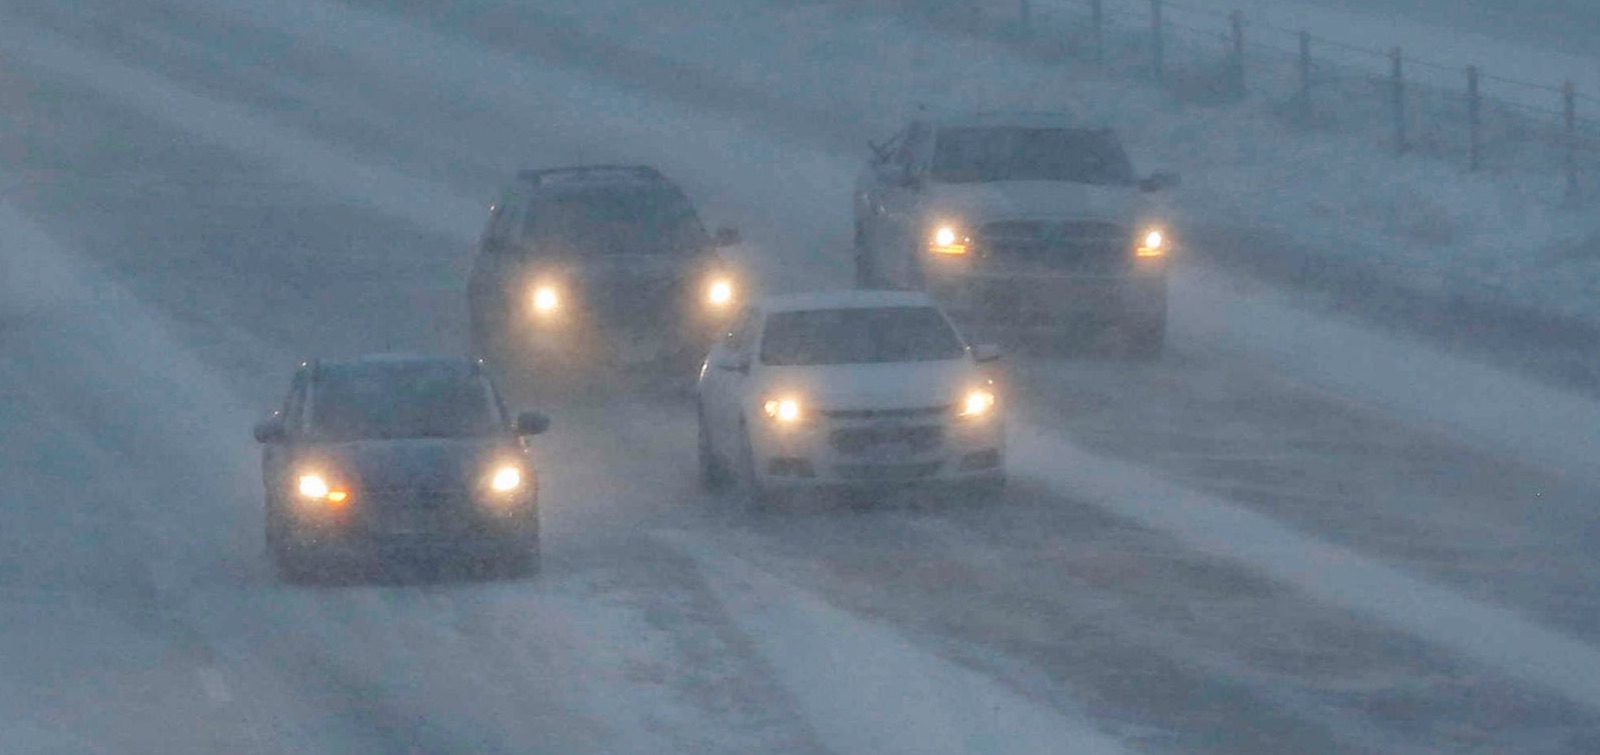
(197, 194)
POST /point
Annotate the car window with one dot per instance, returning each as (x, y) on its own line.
(615, 220)
(739, 334)
(1088, 156)
(401, 401)
(859, 336)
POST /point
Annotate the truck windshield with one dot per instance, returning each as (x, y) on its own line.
(859, 336)
(1086, 156)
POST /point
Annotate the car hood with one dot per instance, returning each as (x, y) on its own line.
(415, 463)
(1034, 200)
(857, 387)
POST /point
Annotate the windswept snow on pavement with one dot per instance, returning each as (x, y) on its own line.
(1494, 636)
(866, 689)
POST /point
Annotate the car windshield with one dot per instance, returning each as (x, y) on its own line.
(401, 401)
(1087, 156)
(644, 220)
(859, 336)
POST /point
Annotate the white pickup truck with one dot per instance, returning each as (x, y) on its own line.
(1021, 225)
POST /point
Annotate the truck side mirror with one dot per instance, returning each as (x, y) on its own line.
(271, 430)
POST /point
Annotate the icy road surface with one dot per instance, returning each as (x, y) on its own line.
(1251, 547)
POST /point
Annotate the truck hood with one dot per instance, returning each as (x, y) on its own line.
(1033, 200)
(856, 387)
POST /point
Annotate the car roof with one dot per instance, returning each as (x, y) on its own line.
(396, 362)
(845, 299)
(581, 177)
(1015, 118)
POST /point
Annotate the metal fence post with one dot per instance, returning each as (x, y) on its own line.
(1158, 53)
(1569, 110)
(1097, 13)
(1305, 74)
(1236, 20)
(1398, 89)
(1474, 119)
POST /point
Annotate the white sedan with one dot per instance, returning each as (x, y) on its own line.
(848, 388)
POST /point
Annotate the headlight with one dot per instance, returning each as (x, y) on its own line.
(948, 239)
(979, 402)
(719, 293)
(546, 300)
(315, 487)
(506, 479)
(785, 410)
(1152, 244)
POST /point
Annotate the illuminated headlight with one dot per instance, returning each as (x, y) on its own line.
(785, 410)
(546, 300)
(719, 293)
(315, 487)
(948, 239)
(1153, 243)
(979, 402)
(506, 479)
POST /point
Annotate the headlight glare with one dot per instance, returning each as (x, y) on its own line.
(948, 239)
(785, 410)
(720, 292)
(1153, 243)
(979, 402)
(506, 479)
(546, 299)
(313, 486)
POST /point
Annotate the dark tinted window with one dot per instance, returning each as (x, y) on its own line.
(1030, 154)
(859, 336)
(625, 220)
(412, 400)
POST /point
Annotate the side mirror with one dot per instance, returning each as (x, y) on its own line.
(1159, 181)
(726, 236)
(532, 423)
(271, 431)
(734, 363)
(986, 352)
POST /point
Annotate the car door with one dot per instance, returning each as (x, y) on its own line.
(275, 457)
(494, 267)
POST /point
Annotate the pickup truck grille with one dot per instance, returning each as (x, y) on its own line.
(1075, 247)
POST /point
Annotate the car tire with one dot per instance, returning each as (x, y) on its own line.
(713, 474)
(754, 493)
(1146, 340)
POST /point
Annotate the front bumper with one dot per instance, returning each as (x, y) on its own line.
(1051, 303)
(408, 522)
(869, 451)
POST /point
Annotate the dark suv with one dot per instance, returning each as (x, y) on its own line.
(387, 455)
(597, 265)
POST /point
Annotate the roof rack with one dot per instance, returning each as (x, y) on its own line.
(580, 172)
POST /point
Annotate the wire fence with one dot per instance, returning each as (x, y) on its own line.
(1408, 105)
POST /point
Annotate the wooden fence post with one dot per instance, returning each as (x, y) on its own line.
(1397, 82)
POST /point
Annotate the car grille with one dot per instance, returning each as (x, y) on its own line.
(872, 414)
(1077, 247)
(917, 439)
(886, 472)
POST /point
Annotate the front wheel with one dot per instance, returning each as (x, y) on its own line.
(713, 475)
